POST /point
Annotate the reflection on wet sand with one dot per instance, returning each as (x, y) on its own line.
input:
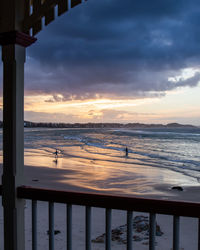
(98, 172)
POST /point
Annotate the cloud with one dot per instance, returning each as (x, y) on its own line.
(111, 115)
(45, 117)
(116, 49)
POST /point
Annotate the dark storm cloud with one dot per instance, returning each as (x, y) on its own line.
(116, 48)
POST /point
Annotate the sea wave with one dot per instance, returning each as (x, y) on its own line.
(174, 149)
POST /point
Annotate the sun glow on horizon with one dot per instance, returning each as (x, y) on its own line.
(169, 108)
(39, 103)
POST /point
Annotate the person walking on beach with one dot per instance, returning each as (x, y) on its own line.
(56, 154)
(126, 151)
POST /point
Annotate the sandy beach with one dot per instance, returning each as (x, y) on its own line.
(81, 173)
(64, 178)
(58, 179)
(87, 173)
(53, 178)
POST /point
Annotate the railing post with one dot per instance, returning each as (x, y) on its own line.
(69, 226)
(13, 56)
(198, 233)
(129, 230)
(51, 226)
(88, 226)
(176, 225)
(108, 228)
(152, 231)
(34, 225)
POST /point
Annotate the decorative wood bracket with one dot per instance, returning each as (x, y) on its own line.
(15, 37)
(35, 10)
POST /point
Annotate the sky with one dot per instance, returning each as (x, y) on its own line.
(117, 61)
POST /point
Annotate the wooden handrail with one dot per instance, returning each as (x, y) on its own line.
(179, 208)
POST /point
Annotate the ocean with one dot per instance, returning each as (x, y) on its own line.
(98, 159)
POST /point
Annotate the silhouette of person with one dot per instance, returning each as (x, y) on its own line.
(56, 154)
(126, 151)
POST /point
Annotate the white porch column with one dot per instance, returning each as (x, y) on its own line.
(13, 56)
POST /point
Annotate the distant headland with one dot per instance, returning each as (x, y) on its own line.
(104, 125)
(30, 124)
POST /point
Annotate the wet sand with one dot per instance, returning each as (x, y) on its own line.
(63, 179)
(92, 173)
(82, 174)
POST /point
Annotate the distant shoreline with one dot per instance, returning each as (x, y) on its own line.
(106, 125)
(30, 124)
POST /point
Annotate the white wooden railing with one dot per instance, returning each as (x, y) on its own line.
(109, 202)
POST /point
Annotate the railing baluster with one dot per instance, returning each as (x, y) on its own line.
(198, 233)
(88, 228)
(69, 227)
(152, 231)
(129, 230)
(51, 226)
(108, 228)
(176, 225)
(34, 225)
